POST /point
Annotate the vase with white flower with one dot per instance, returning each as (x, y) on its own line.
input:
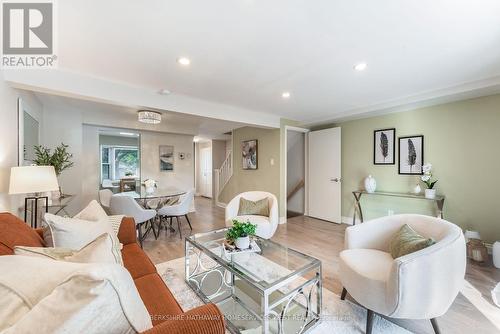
(429, 181)
(150, 186)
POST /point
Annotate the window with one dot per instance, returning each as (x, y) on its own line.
(118, 162)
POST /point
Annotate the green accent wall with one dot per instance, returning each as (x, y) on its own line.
(267, 176)
(461, 140)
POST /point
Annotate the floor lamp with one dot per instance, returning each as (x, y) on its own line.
(33, 181)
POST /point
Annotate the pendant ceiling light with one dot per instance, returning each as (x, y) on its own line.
(148, 116)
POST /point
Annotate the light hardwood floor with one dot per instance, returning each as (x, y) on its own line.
(324, 241)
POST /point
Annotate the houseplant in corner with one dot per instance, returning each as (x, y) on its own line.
(430, 192)
(60, 159)
(240, 234)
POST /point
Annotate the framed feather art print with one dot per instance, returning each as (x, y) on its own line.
(411, 155)
(384, 147)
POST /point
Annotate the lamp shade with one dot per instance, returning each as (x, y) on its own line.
(32, 179)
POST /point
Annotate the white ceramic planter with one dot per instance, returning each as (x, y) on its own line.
(370, 184)
(242, 242)
(430, 193)
(496, 256)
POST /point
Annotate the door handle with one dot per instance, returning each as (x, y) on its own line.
(337, 179)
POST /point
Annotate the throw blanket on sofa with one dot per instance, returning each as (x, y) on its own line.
(46, 296)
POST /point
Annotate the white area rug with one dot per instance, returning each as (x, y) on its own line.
(338, 316)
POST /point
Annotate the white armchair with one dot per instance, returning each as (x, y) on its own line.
(420, 285)
(266, 226)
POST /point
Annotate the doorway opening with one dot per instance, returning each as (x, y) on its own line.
(120, 162)
(295, 172)
(204, 169)
(210, 154)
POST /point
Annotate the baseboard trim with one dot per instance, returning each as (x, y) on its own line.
(221, 205)
(348, 220)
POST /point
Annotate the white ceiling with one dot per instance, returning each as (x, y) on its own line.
(247, 52)
(123, 118)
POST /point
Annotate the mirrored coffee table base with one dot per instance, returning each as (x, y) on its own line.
(275, 291)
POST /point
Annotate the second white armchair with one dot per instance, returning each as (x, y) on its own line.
(419, 285)
(266, 225)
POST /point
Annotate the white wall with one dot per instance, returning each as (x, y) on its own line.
(119, 140)
(9, 140)
(229, 146)
(295, 169)
(182, 176)
(83, 179)
(64, 125)
(90, 163)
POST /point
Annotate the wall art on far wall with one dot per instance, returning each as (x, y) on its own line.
(411, 155)
(166, 158)
(384, 147)
(249, 152)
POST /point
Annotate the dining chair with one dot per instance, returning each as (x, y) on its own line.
(105, 199)
(128, 206)
(181, 209)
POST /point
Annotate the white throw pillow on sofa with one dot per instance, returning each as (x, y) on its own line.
(100, 250)
(47, 296)
(75, 233)
(94, 212)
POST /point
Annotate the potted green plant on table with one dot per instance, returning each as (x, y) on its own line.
(60, 159)
(430, 192)
(240, 234)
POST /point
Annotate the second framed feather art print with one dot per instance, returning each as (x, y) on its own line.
(384, 146)
(411, 155)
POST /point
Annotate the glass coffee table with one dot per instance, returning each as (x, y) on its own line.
(276, 290)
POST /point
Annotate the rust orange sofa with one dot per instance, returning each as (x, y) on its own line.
(166, 313)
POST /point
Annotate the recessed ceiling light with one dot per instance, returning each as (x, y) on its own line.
(163, 91)
(184, 61)
(285, 95)
(360, 67)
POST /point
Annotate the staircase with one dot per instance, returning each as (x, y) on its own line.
(295, 189)
(222, 176)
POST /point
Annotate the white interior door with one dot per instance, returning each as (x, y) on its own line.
(324, 177)
(206, 172)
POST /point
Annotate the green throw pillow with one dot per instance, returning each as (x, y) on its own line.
(258, 208)
(407, 241)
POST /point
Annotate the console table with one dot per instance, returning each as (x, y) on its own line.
(439, 200)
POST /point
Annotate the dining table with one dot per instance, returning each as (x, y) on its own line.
(159, 195)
